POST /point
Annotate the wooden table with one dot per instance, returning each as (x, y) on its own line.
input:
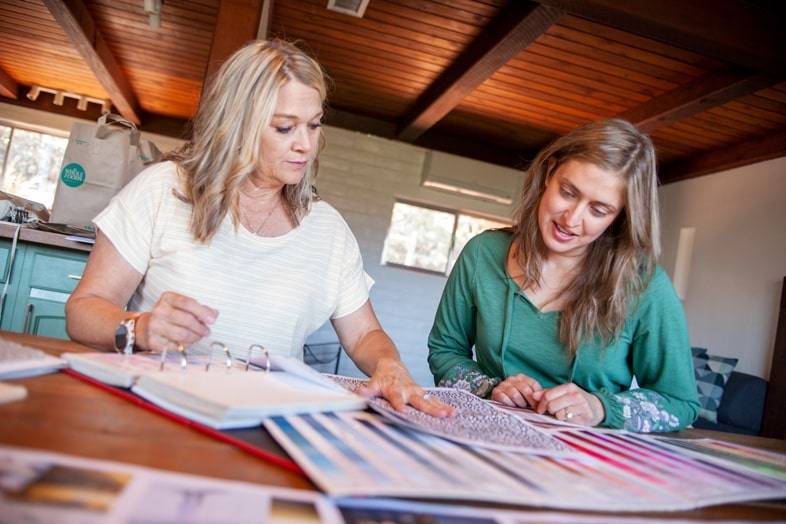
(66, 415)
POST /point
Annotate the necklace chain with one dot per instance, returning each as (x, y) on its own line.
(267, 216)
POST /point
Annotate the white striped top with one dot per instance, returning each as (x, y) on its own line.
(269, 291)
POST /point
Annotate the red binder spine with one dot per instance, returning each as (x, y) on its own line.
(214, 433)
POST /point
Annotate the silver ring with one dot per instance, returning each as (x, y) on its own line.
(569, 415)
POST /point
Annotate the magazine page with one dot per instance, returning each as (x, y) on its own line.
(41, 488)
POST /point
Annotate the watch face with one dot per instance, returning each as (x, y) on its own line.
(121, 337)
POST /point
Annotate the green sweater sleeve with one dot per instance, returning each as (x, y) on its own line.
(453, 333)
(662, 364)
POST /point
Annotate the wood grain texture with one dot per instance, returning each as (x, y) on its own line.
(77, 23)
(236, 24)
(8, 86)
(66, 415)
(515, 29)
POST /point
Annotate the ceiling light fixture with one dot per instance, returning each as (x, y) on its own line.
(348, 7)
(153, 11)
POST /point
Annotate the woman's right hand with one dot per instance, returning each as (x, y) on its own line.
(175, 319)
(516, 391)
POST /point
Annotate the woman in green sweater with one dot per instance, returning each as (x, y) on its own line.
(568, 306)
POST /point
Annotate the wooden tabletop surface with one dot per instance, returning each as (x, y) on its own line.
(64, 414)
(67, 415)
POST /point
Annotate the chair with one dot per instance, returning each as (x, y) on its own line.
(325, 357)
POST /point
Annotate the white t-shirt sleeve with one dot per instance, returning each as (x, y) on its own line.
(355, 282)
(130, 218)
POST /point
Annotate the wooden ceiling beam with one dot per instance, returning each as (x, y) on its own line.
(78, 25)
(505, 37)
(447, 143)
(732, 31)
(153, 123)
(767, 147)
(711, 90)
(8, 86)
(236, 24)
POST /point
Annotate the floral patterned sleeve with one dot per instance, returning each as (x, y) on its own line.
(662, 364)
(639, 410)
(469, 379)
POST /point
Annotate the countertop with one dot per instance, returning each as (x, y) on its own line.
(45, 238)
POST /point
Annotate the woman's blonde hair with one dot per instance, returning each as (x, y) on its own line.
(619, 263)
(224, 149)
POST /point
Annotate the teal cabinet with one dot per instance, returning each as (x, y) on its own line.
(41, 280)
(10, 262)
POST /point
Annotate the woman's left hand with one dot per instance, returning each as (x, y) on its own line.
(570, 403)
(392, 381)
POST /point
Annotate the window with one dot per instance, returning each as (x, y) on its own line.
(30, 163)
(429, 238)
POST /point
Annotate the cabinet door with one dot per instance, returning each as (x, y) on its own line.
(9, 271)
(47, 278)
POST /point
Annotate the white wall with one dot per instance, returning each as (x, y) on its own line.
(739, 258)
(362, 175)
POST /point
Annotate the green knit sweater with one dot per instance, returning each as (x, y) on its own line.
(483, 307)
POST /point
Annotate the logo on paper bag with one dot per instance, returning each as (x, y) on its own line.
(73, 175)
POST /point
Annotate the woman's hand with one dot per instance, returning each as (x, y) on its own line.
(516, 391)
(392, 381)
(570, 403)
(175, 319)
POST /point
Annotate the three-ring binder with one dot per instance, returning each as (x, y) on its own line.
(228, 359)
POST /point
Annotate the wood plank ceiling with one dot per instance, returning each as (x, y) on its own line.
(488, 79)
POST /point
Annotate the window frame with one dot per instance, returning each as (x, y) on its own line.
(435, 207)
(32, 128)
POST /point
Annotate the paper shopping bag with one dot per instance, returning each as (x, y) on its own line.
(99, 160)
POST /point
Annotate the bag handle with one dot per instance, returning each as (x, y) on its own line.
(108, 119)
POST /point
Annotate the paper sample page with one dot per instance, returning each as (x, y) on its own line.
(476, 422)
(18, 361)
(41, 488)
(11, 392)
(362, 454)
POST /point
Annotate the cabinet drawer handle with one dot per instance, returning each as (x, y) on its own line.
(28, 317)
(75, 277)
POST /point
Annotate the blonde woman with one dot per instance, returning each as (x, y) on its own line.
(568, 306)
(228, 241)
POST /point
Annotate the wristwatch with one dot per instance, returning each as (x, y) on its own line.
(124, 336)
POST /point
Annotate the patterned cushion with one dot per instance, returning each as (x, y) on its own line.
(712, 374)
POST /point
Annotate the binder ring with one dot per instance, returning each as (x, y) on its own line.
(183, 356)
(265, 351)
(227, 362)
(163, 360)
